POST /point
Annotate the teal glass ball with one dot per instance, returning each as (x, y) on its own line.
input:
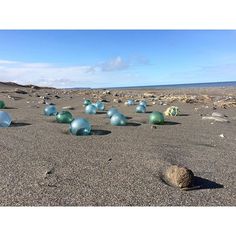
(87, 102)
(5, 119)
(118, 119)
(64, 117)
(130, 102)
(143, 103)
(90, 109)
(156, 118)
(112, 111)
(2, 104)
(140, 109)
(50, 110)
(80, 126)
(100, 106)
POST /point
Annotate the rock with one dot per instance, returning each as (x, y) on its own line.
(56, 96)
(221, 135)
(179, 176)
(42, 102)
(219, 119)
(149, 95)
(106, 92)
(117, 100)
(217, 114)
(153, 127)
(20, 91)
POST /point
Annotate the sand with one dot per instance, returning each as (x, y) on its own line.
(41, 164)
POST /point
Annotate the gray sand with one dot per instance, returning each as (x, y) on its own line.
(42, 165)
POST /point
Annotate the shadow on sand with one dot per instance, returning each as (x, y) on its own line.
(132, 124)
(10, 108)
(100, 132)
(19, 124)
(205, 183)
(171, 123)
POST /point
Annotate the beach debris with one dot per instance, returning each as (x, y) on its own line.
(140, 109)
(64, 117)
(118, 119)
(68, 108)
(215, 118)
(20, 91)
(117, 100)
(2, 104)
(172, 111)
(222, 135)
(217, 114)
(106, 92)
(5, 119)
(80, 126)
(56, 96)
(50, 110)
(112, 111)
(156, 117)
(178, 176)
(149, 95)
(99, 105)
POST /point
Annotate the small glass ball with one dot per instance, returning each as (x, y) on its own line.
(80, 126)
(64, 117)
(130, 102)
(100, 106)
(143, 103)
(172, 111)
(50, 110)
(90, 109)
(112, 111)
(87, 102)
(140, 109)
(2, 104)
(118, 119)
(156, 118)
(5, 119)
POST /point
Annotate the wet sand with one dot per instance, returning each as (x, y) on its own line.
(41, 164)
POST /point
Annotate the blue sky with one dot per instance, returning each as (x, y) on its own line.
(98, 58)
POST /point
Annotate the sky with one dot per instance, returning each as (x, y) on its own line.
(116, 58)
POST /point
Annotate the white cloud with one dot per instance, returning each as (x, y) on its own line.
(114, 64)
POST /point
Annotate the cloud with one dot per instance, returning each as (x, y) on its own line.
(114, 64)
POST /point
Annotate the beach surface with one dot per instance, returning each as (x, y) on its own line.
(42, 164)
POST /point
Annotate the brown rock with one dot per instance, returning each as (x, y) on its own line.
(179, 176)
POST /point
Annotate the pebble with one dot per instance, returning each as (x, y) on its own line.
(221, 135)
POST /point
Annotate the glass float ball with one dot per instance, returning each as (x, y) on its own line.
(50, 110)
(118, 119)
(90, 109)
(5, 119)
(2, 104)
(143, 103)
(156, 118)
(80, 126)
(172, 111)
(140, 109)
(87, 102)
(112, 111)
(64, 117)
(100, 106)
(130, 102)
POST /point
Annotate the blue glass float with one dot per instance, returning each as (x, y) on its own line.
(87, 102)
(2, 104)
(100, 106)
(80, 126)
(118, 119)
(143, 103)
(5, 119)
(112, 111)
(130, 102)
(140, 109)
(50, 110)
(90, 109)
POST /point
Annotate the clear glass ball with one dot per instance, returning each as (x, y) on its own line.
(118, 119)
(87, 102)
(64, 117)
(80, 126)
(50, 110)
(5, 119)
(100, 106)
(2, 104)
(143, 103)
(90, 109)
(140, 109)
(130, 102)
(112, 111)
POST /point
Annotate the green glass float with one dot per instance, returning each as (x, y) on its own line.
(156, 118)
(64, 117)
(172, 111)
(2, 104)
(87, 102)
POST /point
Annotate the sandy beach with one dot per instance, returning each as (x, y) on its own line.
(42, 164)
